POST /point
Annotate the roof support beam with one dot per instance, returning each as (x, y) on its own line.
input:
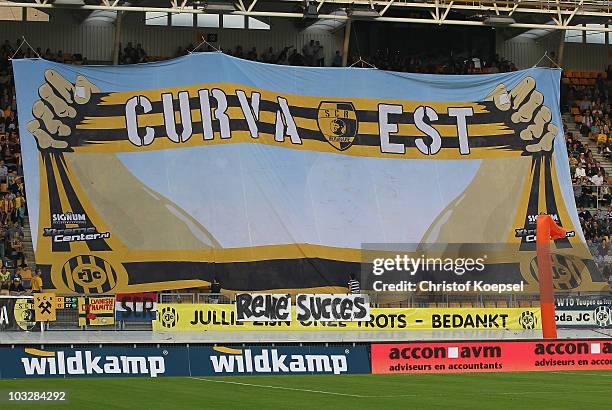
(574, 12)
(448, 8)
(253, 3)
(557, 10)
(563, 7)
(383, 11)
(513, 7)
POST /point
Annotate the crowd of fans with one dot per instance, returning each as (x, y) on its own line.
(591, 105)
(591, 184)
(14, 269)
(313, 54)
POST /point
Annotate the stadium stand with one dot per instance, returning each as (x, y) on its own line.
(194, 214)
(13, 208)
(587, 124)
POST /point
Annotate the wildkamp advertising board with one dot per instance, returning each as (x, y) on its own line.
(182, 361)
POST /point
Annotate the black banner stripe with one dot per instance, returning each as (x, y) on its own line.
(55, 204)
(532, 205)
(287, 273)
(75, 204)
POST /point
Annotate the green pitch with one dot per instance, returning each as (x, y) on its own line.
(460, 391)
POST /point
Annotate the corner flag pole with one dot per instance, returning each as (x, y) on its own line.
(547, 229)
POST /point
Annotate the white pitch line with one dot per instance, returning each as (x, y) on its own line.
(580, 373)
(360, 396)
(280, 387)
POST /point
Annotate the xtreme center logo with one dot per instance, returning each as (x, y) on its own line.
(75, 234)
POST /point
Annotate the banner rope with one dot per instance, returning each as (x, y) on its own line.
(549, 59)
(207, 43)
(23, 40)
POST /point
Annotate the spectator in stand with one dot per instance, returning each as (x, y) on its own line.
(602, 139)
(577, 194)
(36, 284)
(238, 53)
(573, 162)
(580, 174)
(605, 194)
(585, 214)
(252, 54)
(308, 51)
(19, 208)
(337, 61)
(18, 256)
(16, 286)
(3, 172)
(268, 56)
(16, 275)
(140, 54)
(5, 278)
(283, 56)
(296, 59)
(6, 208)
(319, 55)
(597, 179)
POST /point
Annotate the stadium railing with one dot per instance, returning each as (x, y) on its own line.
(598, 194)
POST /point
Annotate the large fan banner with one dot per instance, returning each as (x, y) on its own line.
(166, 175)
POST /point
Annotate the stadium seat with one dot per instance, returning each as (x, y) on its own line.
(502, 303)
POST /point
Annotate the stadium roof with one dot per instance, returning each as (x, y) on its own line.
(521, 14)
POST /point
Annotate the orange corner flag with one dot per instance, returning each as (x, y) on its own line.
(546, 230)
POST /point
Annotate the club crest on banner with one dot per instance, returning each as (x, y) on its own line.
(24, 313)
(89, 274)
(338, 123)
(44, 307)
